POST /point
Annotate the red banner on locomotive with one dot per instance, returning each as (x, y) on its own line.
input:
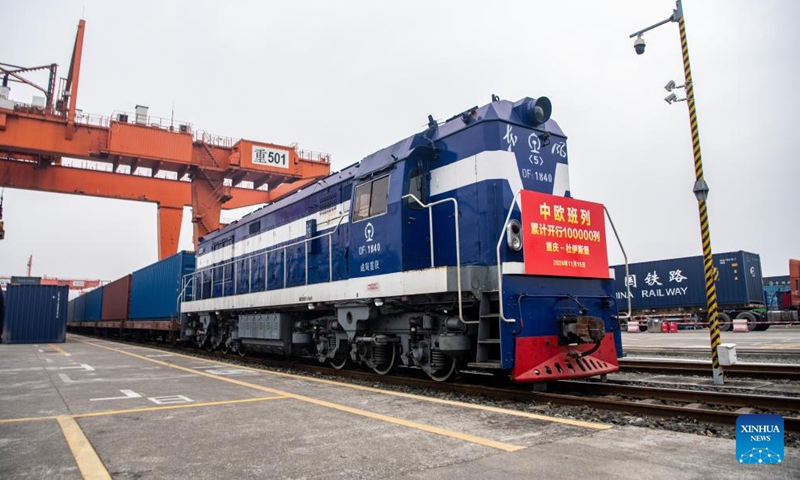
(563, 236)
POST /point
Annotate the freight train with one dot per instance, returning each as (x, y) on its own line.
(459, 247)
(675, 288)
(142, 305)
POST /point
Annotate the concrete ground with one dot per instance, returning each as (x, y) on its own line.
(777, 337)
(97, 409)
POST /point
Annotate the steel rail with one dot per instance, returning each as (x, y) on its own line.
(763, 352)
(752, 370)
(730, 399)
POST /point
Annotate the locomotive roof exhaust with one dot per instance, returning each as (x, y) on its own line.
(535, 111)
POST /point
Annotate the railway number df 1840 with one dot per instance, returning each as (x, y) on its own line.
(538, 176)
(370, 248)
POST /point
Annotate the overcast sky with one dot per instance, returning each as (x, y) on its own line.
(351, 77)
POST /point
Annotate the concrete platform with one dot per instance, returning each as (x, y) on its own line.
(776, 338)
(97, 409)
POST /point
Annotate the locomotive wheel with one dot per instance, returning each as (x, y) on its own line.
(225, 348)
(241, 350)
(443, 374)
(388, 367)
(339, 362)
(209, 346)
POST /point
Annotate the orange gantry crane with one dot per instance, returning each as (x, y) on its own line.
(72, 284)
(200, 170)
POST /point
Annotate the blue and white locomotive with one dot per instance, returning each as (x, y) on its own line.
(415, 256)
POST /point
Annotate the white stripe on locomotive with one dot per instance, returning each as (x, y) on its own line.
(493, 165)
(388, 285)
(290, 231)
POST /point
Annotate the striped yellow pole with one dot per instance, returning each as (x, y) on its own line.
(705, 232)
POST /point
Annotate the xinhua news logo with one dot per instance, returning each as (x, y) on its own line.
(759, 439)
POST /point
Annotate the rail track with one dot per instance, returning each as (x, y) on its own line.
(702, 406)
(686, 367)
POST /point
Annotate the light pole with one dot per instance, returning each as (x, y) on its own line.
(700, 186)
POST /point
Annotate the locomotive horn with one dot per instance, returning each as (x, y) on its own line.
(536, 111)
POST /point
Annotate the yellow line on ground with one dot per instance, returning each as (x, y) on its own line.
(173, 407)
(58, 349)
(376, 416)
(89, 463)
(517, 413)
(485, 408)
(27, 419)
(419, 426)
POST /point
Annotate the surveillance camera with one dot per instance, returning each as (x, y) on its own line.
(638, 45)
(670, 85)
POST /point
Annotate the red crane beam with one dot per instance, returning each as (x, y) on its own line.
(170, 195)
(43, 136)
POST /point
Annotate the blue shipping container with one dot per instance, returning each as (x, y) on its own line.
(2, 310)
(94, 305)
(680, 282)
(35, 314)
(80, 309)
(155, 288)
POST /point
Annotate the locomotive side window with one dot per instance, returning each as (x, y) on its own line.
(416, 187)
(255, 227)
(380, 196)
(371, 198)
(224, 272)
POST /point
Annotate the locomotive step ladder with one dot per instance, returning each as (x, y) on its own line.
(488, 354)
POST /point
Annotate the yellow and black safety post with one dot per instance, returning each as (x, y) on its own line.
(700, 186)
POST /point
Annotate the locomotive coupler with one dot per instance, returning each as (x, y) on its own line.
(581, 329)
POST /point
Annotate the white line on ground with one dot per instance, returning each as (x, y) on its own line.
(128, 394)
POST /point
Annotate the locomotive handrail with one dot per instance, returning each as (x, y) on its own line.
(625, 256)
(499, 266)
(267, 252)
(458, 244)
(183, 289)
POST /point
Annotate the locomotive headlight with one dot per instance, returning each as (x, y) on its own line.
(513, 235)
(535, 112)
